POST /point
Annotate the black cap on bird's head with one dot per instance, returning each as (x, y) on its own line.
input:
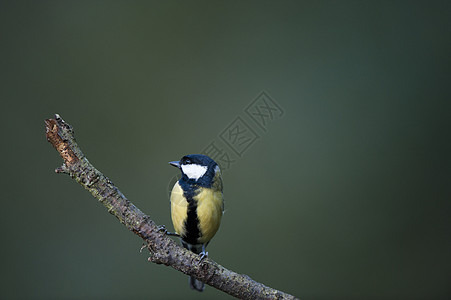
(197, 167)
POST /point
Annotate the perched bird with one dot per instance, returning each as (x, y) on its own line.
(197, 205)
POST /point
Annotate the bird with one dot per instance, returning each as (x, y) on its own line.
(197, 205)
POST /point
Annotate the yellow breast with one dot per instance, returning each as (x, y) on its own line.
(179, 209)
(209, 213)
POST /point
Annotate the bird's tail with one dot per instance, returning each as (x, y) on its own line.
(196, 284)
(193, 282)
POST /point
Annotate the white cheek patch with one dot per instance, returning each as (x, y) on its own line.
(194, 171)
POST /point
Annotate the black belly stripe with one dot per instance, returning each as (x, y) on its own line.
(192, 232)
(191, 224)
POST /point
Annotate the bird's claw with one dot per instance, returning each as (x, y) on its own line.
(203, 255)
(163, 229)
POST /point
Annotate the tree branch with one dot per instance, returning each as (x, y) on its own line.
(162, 248)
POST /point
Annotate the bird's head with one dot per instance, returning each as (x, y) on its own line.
(197, 167)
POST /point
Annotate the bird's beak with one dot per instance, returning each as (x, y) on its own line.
(175, 164)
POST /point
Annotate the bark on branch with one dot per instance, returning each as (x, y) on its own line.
(163, 249)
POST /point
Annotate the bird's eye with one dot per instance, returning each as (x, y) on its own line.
(188, 161)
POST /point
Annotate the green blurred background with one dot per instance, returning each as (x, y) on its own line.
(346, 196)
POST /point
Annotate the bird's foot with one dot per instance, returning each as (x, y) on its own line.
(165, 231)
(203, 255)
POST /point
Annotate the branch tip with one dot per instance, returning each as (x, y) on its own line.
(60, 135)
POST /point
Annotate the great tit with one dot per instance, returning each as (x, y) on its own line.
(197, 205)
